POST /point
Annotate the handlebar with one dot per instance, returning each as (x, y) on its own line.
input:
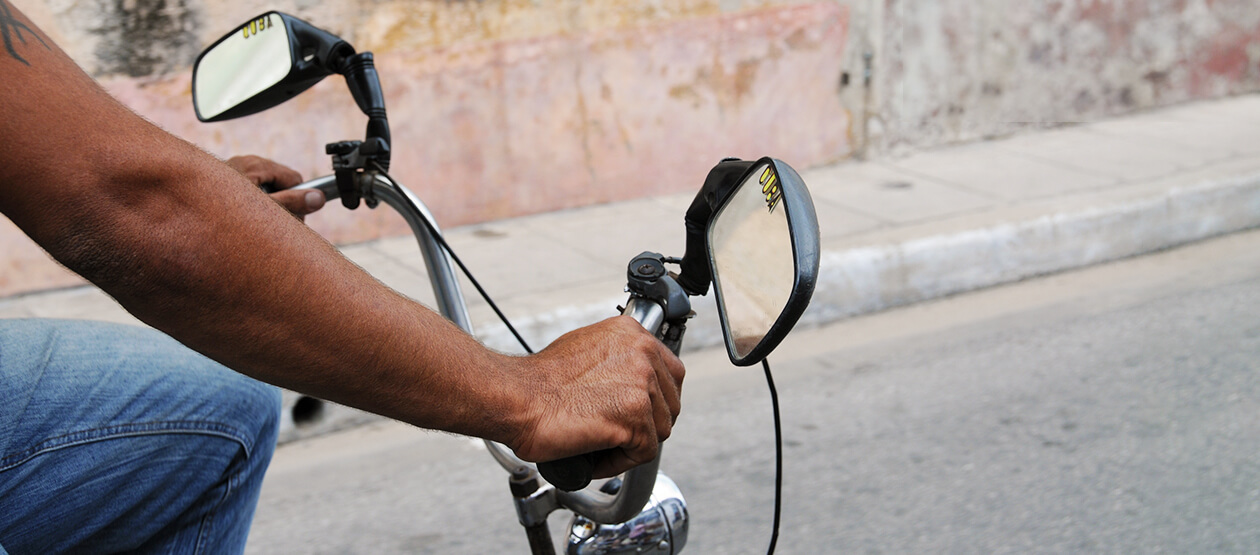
(574, 473)
(446, 290)
(636, 484)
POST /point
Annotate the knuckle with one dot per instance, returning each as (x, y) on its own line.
(646, 344)
(642, 451)
(623, 436)
(647, 379)
(643, 403)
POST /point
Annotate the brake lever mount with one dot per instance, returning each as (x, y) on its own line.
(646, 278)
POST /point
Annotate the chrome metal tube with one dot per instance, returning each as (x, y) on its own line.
(327, 184)
(446, 290)
(442, 277)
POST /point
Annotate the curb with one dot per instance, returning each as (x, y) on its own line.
(869, 279)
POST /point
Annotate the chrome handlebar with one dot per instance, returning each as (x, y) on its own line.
(446, 290)
(636, 484)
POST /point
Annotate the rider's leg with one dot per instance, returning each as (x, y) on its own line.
(117, 438)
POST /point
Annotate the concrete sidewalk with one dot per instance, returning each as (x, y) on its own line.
(894, 231)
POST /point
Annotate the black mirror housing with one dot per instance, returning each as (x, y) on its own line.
(313, 53)
(777, 186)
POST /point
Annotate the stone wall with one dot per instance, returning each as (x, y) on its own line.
(502, 108)
(952, 71)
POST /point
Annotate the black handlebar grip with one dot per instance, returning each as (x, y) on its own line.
(571, 473)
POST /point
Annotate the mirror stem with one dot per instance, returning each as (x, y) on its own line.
(365, 86)
(722, 179)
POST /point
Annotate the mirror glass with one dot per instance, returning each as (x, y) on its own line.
(245, 63)
(754, 269)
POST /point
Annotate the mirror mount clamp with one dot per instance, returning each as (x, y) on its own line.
(350, 159)
(721, 181)
(646, 277)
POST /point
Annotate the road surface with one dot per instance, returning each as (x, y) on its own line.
(1113, 409)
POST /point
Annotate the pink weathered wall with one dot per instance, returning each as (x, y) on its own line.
(501, 127)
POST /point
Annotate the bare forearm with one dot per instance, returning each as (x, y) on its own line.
(312, 321)
(235, 277)
(244, 282)
(190, 247)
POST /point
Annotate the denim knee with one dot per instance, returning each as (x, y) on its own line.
(82, 396)
(61, 376)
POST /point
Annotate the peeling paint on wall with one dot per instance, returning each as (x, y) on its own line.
(145, 37)
(137, 38)
(960, 71)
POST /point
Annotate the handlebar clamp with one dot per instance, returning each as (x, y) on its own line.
(349, 159)
(646, 277)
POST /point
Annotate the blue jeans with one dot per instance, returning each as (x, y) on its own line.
(117, 438)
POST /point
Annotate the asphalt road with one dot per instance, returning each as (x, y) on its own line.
(1114, 409)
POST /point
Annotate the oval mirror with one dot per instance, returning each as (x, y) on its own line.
(241, 65)
(266, 61)
(763, 251)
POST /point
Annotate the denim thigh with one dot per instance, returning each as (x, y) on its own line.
(117, 438)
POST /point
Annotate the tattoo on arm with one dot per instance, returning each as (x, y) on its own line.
(10, 27)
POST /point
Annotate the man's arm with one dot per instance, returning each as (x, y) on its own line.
(190, 247)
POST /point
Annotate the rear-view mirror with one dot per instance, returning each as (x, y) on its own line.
(763, 249)
(266, 61)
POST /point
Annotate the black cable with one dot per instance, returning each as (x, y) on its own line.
(778, 456)
(442, 241)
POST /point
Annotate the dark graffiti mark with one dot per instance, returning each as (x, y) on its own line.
(10, 27)
(143, 37)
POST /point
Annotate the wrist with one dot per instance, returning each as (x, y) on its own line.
(515, 408)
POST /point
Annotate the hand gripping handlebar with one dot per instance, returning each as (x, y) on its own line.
(636, 484)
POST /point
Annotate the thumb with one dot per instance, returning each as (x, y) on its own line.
(300, 203)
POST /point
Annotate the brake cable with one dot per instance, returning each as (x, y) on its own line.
(778, 456)
(447, 247)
